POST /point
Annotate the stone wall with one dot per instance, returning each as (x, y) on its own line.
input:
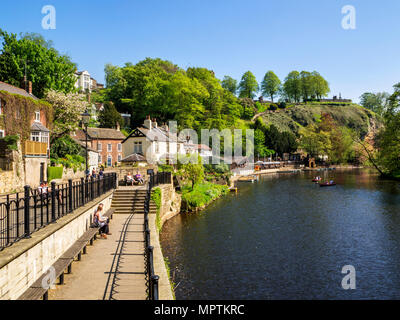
(123, 171)
(25, 261)
(13, 179)
(32, 170)
(170, 202)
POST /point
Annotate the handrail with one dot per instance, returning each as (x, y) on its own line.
(154, 180)
(21, 214)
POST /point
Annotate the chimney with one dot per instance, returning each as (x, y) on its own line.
(147, 123)
(30, 87)
(166, 126)
(154, 124)
(118, 127)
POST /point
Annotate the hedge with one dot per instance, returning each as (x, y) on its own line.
(54, 173)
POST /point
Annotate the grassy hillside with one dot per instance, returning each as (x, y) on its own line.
(292, 118)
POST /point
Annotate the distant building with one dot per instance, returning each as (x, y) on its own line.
(336, 99)
(84, 82)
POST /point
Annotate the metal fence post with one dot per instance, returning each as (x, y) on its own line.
(26, 211)
(70, 195)
(83, 191)
(154, 285)
(53, 201)
(91, 188)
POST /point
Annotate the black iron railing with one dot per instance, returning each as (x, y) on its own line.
(154, 180)
(21, 214)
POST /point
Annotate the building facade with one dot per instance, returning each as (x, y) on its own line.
(22, 114)
(156, 144)
(84, 82)
(107, 143)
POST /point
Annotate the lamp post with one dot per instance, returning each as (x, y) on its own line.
(85, 120)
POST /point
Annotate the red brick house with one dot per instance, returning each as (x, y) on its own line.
(107, 142)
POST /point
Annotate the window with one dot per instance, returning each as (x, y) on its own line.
(109, 160)
(37, 116)
(44, 137)
(2, 134)
(119, 158)
(119, 147)
(138, 147)
(99, 147)
(99, 161)
(109, 147)
(35, 136)
(156, 146)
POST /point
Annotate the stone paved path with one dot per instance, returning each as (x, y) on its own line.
(112, 269)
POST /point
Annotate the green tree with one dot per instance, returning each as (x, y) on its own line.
(270, 85)
(377, 102)
(319, 86)
(67, 112)
(109, 117)
(292, 86)
(45, 67)
(190, 167)
(248, 86)
(230, 84)
(63, 146)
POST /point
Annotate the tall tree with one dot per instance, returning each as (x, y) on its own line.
(248, 86)
(109, 117)
(377, 102)
(270, 85)
(67, 111)
(319, 86)
(230, 84)
(44, 66)
(292, 86)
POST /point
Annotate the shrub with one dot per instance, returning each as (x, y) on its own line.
(54, 173)
(11, 141)
(202, 194)
(156, 197)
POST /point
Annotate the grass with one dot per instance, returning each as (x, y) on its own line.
(156, 197)
(167, 266)
(202, 194)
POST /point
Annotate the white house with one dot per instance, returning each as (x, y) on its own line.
(156, 144)
(85, 82)
(202, 150)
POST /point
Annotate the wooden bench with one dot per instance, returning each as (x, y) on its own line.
(36, 291)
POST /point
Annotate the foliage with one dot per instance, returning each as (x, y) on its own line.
(11, 141)
(109, 117)
(248, 108)
(54, 173)
(75, 162)
(248, 86)
(270, 85)
(165, 168)
(194, 98)
(202, 194)
(67, 111)
(377, 102)
(230, 84)
(45, 67)
(304, 85)
(190, 167)
(156, 197)
(63, 146)
(19, 114)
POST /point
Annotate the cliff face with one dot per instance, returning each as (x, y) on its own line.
(352, 116)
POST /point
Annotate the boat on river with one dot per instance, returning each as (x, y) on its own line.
(327, 184)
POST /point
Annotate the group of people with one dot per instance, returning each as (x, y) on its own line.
(44, 189)
(136, 179)
(95, 174)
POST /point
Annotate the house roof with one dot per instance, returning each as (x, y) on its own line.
(134, 157)
(83, 144)
(197, 146)
(15, 90)
(37, 126)
(105, 134)
(159, 134)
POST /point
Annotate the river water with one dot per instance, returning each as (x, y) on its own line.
(285, 237)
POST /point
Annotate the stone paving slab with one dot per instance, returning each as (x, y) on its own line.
(94, 276)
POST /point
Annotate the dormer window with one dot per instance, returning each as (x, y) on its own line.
(37, 116)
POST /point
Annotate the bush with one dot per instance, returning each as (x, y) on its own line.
(165, 168)
(156, 197)
(202, 194)
(273, 106)
(54, 173)
(11, 141)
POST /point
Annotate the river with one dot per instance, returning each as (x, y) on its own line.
(285, 237)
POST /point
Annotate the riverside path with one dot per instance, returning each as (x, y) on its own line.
(114, 268)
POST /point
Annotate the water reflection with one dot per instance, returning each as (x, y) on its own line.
(287, 238)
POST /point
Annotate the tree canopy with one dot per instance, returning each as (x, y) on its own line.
(230, 84)
(270, 85)
(109, 117)
(248, 86)
(45, 67)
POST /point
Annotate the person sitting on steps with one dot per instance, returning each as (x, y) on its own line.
(102, 222)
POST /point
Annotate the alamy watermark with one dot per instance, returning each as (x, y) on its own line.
(349, 20)
(49, 20)
(349, 280)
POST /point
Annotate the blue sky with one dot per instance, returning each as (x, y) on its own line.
(227, 36)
